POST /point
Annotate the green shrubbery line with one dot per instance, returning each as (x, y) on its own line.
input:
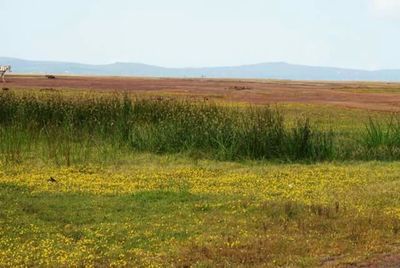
(71, 129)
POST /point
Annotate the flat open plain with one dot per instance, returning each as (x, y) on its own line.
(366, 95)
(131, 182)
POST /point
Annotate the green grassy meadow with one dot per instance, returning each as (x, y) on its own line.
(99, 180)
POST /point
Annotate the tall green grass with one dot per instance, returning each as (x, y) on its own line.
(70, 130)
(381, 140)
(76, 130)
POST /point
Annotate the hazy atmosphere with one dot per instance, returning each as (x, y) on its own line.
(352, 34)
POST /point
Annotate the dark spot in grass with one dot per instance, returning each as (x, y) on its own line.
(52, 180)
(30, 209)
(240, 88)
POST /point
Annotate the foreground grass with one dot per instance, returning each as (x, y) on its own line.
(158, 211)
(112, 204)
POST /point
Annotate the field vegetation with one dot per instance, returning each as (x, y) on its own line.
(71, 129)
(158, 126)
(119, 180)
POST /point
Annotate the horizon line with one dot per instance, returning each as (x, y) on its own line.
(202, 67)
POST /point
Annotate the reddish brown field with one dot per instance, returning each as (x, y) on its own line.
(373, 96)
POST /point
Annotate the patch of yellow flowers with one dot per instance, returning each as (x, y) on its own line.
(348, 184)
(319, 183)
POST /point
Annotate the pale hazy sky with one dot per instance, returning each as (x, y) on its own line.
(176, 33)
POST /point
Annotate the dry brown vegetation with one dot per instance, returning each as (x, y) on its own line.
(373, 95)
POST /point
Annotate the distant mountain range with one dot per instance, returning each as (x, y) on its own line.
(274, 70)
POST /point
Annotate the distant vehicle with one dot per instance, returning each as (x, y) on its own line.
(49, 76)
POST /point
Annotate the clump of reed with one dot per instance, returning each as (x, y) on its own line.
(380, 140)
(77, 128)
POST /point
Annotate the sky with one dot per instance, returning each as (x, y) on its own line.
(362, 34)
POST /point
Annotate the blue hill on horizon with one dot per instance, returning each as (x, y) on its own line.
(273, 70)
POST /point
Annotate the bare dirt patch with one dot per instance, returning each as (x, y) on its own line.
(387, 261)
(344, 94)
